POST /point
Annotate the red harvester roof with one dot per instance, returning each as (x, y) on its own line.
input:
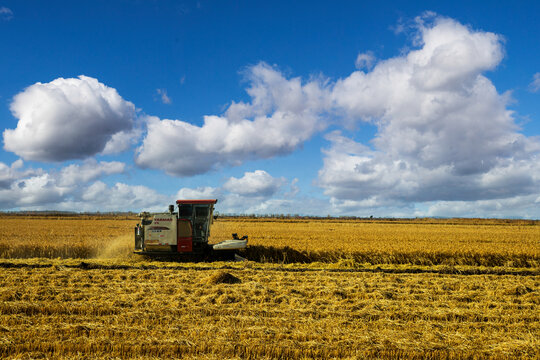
(206, 201)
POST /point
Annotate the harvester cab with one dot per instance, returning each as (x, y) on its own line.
(182, 232)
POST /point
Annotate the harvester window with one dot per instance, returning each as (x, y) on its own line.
(184, 229)
(185, 210)
(201, 211)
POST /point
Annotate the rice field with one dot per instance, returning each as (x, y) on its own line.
(416, 289)
(437, 242)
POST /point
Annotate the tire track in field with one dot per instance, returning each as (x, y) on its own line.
(443, 271)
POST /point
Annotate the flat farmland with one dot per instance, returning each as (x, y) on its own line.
(421, 242)
(332, 288)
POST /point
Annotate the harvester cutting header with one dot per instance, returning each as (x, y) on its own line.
(182, 232)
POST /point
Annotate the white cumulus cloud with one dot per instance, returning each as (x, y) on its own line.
(282, 115)
(121, 197)
(254, 192)
(90, 170)
(122, 141)
(527, 206)
(256, 183)
(444, 132)
(32, 191)
(13, 172)
(67, 119)
(36, 189)
(203, 192)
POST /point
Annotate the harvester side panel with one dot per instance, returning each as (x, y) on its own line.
(160, 234)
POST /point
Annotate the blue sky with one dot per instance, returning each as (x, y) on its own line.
(343, 108)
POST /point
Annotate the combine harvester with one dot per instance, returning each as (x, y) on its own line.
(184, 234)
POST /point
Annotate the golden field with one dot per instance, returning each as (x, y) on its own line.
(271, 313)
(438, 289)
(419, 242)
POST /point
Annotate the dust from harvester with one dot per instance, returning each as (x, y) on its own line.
(119, 247)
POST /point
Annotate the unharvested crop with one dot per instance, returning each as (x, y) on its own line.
(22, 237)
(456, 242)
(419, 242)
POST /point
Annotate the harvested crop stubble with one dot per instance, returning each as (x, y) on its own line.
(65, 312)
